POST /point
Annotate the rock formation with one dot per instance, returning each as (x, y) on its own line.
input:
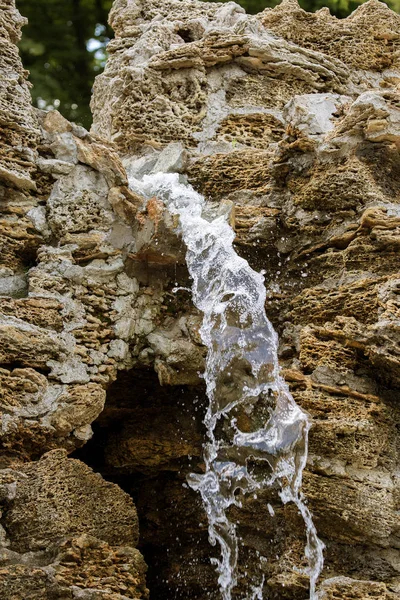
(289, 124)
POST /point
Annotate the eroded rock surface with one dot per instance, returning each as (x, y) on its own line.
(289, 124)
(59, 540)
(293, 119)
(65, 532)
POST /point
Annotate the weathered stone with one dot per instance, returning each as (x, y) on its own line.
(344, 587)
(293, 119)
(288, 123)
(85, 568)
(19, 127)
(70, 533)
(367, 39)
(74, 491)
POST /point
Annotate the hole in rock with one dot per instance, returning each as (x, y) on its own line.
(187, 35)
(147, 440)
(20, 364)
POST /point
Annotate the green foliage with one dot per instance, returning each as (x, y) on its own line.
(63, 46)
(340, 8)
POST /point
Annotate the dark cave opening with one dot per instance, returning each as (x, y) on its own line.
(147, 440)
(186, 34)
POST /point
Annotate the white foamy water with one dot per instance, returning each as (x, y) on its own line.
(257, 435)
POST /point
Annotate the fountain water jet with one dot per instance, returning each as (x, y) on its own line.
(257, 435)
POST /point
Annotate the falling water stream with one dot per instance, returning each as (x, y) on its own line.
(257, 435)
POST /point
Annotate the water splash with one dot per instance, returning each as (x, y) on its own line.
(257, 435)
(257, 591)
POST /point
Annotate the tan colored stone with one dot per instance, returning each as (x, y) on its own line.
(19, 131)
(54, 122)
(102, 159)
(28, 345)
(344, 587)
(299, 132)
(288, 122)
(83, 502)
(367, 39)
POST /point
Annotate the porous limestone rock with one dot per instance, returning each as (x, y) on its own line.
(60, 541)
(19, 127)
(85, 308)
(65, 233)
(293, 119)
(289, 124)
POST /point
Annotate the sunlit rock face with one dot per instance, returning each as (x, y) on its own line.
(289, 124)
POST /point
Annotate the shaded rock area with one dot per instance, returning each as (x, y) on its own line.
(148, 446)
(289, 124)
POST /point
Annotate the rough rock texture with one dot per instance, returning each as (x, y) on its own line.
(289, 123)
(65, 214)
(19, 128)
(292, 121)
(58, 538)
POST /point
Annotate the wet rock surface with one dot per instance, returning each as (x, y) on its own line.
(289, 124)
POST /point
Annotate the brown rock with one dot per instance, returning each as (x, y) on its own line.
(19, 127)
(367, 39)
(60, 497)
(305, 148)
(288, 123)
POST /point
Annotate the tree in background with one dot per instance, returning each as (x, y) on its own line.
(63, 46)
(340, 8)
